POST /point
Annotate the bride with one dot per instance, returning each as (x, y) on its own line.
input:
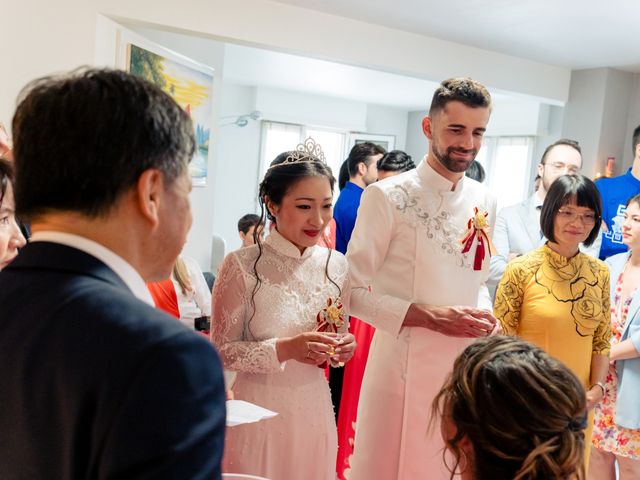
(268, 301)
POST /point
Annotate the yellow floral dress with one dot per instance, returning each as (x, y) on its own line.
(560, 304)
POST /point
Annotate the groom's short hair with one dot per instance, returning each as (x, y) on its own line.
(465, 90)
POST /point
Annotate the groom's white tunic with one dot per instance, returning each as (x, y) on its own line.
(405, 249)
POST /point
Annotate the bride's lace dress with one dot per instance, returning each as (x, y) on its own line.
(300, 443)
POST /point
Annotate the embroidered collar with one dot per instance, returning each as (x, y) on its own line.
(560, 259)
(437, 181)
(283, 246)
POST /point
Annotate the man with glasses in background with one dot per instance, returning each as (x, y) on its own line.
(517, 229)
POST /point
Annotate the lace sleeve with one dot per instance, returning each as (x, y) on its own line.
(230, 315)
(509, 296)
(602, 335)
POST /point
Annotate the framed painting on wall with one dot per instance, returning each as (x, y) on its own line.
(189, 83)
(388, 142)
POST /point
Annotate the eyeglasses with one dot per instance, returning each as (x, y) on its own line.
(587, 219)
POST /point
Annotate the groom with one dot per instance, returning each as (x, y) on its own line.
(412, 281)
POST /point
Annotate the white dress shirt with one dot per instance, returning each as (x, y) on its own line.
(119, 265)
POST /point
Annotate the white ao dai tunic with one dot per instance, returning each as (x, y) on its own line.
(301, 442)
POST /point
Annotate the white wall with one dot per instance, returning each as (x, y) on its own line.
(238, 157)
(514, 117)
(550, 130)
(40, 38)
(416, 143)
(597, 115)
(388, 121)
(614, 120)
(633, 121)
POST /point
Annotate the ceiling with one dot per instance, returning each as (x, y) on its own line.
(576, 34)
(266, 68)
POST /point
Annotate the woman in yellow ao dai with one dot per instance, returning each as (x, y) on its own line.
(557, 297)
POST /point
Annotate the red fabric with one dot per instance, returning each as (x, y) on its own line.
(164, 296)
(353, 372)
(328, 237)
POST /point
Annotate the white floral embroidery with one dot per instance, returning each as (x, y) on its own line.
(439, 226)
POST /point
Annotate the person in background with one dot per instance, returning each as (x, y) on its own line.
(616, 432)
(11, 238)
(510, 411)
(269, 302)
(517, 229)
(558, 297)
(394, 162)
(362, 166)
(476, 171)
(615, 192)
(96, 382)
(193, 294)
(247, 226)
(343, 175)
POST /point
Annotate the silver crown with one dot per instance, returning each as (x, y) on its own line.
(308, 151)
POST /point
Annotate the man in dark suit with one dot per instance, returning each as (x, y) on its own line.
(96, 383)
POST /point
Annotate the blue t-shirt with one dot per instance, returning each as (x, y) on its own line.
(344, 213)
(615, 192)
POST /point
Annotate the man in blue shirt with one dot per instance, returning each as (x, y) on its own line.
(615, 192)
(361, 164)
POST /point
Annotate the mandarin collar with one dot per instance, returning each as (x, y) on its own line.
(283, 246)
(557, 258)
(437, 181)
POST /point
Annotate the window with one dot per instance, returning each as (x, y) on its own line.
(507, 163)
(280, 137)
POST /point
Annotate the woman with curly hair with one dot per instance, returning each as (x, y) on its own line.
(558, 297)
(510, 411)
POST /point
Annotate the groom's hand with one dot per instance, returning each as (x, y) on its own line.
(454, 321)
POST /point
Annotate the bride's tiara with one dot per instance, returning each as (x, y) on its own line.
(308, 151)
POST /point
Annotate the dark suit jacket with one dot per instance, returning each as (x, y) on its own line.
(96, 384)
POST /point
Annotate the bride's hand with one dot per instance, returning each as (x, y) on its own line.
(312, 348)
(345, 350)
